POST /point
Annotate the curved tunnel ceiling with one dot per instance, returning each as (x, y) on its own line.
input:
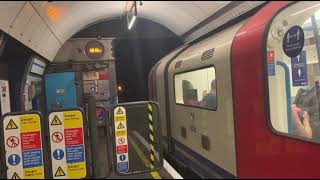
(62, 19)
(71, 16)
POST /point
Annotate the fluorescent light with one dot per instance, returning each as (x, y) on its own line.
(132, 22)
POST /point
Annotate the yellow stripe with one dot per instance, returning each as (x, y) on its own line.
(150, 117)
(151, 127)
(152, 157)
(152, 147)
(150, 107)
(154, 174)
(151, 138)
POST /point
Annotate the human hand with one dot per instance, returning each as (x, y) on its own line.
(301, 128)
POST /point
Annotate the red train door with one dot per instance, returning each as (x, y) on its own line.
(275, 67)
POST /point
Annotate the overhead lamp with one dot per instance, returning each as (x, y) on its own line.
(132, 22)
(132, 15)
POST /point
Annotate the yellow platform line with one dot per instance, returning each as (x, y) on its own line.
(154, 174)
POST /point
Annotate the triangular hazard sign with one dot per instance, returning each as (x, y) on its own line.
(119, 111)
(56, 121)
(59, 173)
(15, 176)
(11, 125)
(120, 126)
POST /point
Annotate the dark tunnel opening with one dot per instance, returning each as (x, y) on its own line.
(136, 52)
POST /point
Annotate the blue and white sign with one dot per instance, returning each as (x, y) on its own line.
(293, 41)
(299, 70)
(14, 159)
(75, 154)
(123, 167)
(271, 69)
(58, 154)
(122, 157)
(93, 89)
(32, 158)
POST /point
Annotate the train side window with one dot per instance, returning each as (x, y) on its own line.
(292, 67)
(197, 88)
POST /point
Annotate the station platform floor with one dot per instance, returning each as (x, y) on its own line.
(138, 155)
(167, 172)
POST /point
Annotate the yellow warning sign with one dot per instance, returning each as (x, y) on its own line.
(59, 173)
(120, 118)
(73, 119)
(77, 170)
(15, 176)
(34, 173)
(11, 125)
(120, 126)
(30, 123)
(56, 121)
(121, 133)
(119, 111)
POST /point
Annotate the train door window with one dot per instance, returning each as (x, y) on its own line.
(292, 56)
(197, 88)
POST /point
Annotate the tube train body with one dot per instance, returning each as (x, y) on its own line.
(229, 101)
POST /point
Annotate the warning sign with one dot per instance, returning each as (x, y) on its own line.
(59, 173)
(119, 111)
(120, 120)
(11, 125)
(56, 121)
(12, 141)
(121, 140)
(67, 144)
(15, 176)
(24, 153)
(57, 137)
(120, 126)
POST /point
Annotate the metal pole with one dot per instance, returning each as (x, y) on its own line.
(93, 132)
(316, 35)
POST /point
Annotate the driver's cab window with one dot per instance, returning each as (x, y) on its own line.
(293, 47)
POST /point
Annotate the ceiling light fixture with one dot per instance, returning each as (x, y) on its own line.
(132, 15)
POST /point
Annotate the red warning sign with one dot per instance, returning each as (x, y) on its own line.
(13, 141)
(73, 136)
(270, 56)
(122, 149)
(57, 137)
(30, 141)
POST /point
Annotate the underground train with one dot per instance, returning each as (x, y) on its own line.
(243, 102)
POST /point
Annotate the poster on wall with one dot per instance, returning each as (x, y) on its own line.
(4, 97)
(299, 70)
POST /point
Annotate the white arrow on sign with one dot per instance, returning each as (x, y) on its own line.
(299, 72)
(288, 38)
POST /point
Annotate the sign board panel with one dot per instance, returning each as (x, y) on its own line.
(299, 70)
(136, 136)
(23, 146)
(271, 63)
(4, 97)
(121, 139)
(293, 41)
(67, 144)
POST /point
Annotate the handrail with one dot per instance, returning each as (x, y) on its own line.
(288, 93)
